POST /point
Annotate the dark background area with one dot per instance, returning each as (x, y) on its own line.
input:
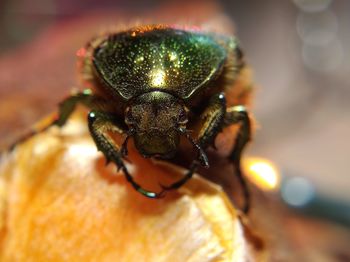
(299, 52)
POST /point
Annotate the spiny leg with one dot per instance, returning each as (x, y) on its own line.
(100, 123)
(66, 108)
(212, 117)
(234, 115)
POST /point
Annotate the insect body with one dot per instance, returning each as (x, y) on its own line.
(154, 84)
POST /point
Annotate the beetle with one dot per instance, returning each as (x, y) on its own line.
(154, 84)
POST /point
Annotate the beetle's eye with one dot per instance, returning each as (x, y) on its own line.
(182, 118)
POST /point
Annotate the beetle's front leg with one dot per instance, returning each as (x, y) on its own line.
(239, 115)
(66, 108)
(100, 123)
(212, 121)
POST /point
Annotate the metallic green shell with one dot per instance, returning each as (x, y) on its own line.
(176, 61)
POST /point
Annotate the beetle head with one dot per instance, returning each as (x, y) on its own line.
(155, 119)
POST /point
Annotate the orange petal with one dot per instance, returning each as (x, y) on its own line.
(58, 202)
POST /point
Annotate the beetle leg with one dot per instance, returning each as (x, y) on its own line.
(183, 180)
(235, 115)
(99, 125)
(66, 108)
(213, 118)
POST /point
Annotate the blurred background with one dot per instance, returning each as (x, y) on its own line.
(298, 50)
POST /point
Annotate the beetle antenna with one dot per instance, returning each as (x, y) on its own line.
(124, 147)
(202, 157)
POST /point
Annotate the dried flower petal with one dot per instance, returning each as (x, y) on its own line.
(58, 202)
